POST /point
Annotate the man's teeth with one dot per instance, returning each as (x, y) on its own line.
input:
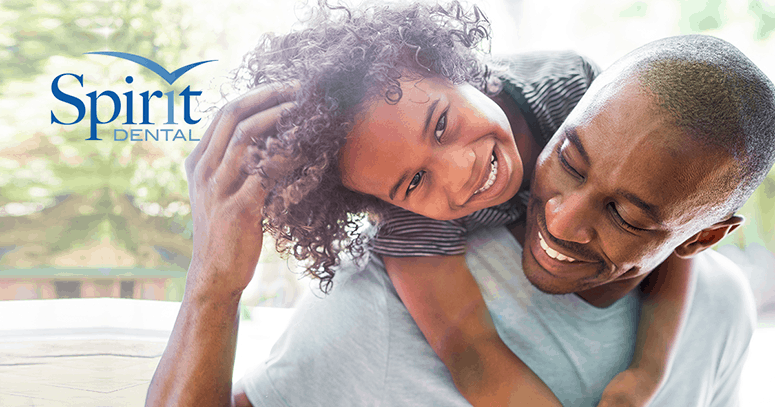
(491, 177)
(553, 253)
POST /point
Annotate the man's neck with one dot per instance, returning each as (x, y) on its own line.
(605, 295)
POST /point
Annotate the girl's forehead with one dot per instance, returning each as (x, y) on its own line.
(408, 82)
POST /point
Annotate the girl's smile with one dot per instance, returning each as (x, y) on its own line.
(443, 151)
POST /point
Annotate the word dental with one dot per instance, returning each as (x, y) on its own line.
(134, 134)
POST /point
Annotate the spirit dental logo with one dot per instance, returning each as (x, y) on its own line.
(134, 134)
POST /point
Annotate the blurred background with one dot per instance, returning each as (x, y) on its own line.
(105, 226)
(83, 219)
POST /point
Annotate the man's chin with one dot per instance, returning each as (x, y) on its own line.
(542, 279)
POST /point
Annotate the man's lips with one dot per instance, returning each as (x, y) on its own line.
(561, 254)
(559, 264)
(555, 254)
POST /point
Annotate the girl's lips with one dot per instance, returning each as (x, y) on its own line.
(501, 178)
(491, 175)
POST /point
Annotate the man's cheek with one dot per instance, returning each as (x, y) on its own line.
(641, 258)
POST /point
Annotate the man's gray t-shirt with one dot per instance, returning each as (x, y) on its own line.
(359, 346)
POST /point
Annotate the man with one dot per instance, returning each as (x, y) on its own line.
(656, 158)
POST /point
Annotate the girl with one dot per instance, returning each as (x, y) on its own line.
(397, 117)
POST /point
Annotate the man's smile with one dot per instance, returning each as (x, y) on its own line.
(553, 253)
(558, 266)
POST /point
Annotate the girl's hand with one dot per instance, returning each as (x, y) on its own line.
(227, 193)
(630, 388)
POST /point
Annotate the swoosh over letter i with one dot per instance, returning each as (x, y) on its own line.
(170, 77)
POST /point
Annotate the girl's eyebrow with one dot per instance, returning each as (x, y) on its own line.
(405, 175)
(398, 184)
(429, 115)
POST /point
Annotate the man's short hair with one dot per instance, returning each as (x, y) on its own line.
(719, 98)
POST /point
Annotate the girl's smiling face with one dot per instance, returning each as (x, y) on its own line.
(443, 151)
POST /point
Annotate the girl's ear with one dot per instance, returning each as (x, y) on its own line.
(708, 237)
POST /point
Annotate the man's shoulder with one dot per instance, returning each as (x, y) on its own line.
(720, 274)
(714, 342)
(356, 346)
(342, 336)
(360, 292)
(723, 292)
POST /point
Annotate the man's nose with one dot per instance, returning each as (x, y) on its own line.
(456, 167)
(569, 218)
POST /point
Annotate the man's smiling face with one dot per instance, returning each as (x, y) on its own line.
(615, 191)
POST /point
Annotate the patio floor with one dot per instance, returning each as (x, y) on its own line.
(101, 351)
(110, 363)
(77, 372)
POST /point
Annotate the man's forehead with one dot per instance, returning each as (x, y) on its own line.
(639, 152)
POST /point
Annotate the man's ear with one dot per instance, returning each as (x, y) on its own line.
(708, 237)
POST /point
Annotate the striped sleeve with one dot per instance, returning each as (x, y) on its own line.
(546, 86)
(407, 234)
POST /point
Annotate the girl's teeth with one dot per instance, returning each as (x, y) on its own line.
(491, 177)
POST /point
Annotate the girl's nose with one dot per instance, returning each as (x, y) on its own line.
(457, 166)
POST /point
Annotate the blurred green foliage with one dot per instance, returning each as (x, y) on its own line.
(34, 31)
(701, 15)
(637, 9)
(765, 18)
(704, 15)
(47, 163)
(759, 212)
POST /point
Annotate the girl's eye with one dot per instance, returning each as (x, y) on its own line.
(620, 220)
(441, 125)
(415, 182)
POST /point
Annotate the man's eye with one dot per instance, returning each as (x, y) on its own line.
(620, 220)
(567, 165)
(415, 181)
(441, 125)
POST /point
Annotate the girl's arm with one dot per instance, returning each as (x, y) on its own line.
(445, 302)
(667, 295)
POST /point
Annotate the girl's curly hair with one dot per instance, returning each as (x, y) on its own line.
(342, 59)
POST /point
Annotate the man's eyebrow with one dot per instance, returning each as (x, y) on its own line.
(573, 137)
(652, 211)
(398, 184)
(429, 115)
